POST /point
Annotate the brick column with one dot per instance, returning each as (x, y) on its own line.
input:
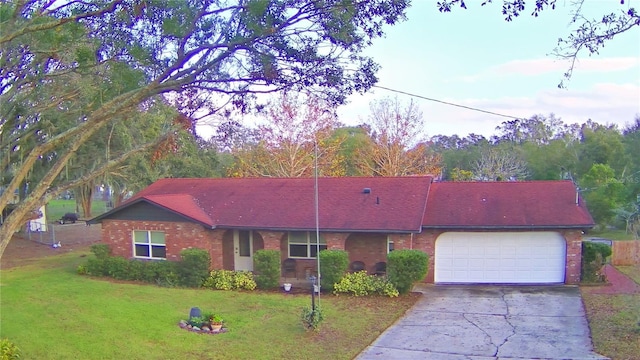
(271, 239)
(573, 264)
(335, 241)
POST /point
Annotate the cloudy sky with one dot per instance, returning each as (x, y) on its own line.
(475, 58)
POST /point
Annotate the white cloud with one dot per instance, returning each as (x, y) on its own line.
(535, 67)
(605, 103)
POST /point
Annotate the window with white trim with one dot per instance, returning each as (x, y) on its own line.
(389, 244)
(303, 244)
(149, 244)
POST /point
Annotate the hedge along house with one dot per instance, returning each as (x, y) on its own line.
(474, 232)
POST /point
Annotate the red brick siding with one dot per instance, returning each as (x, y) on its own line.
(574, 256)
(368, 248)
(426, 241)
(178, 236)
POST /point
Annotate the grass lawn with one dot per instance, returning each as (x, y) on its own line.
(50, 312)
(610, 234)
(631, 271)
(614, 320)
(57, 208)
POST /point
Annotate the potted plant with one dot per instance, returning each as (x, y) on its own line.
(216, 322)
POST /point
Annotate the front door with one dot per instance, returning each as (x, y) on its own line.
(243, 250)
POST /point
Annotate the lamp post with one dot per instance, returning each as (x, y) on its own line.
(312, 280)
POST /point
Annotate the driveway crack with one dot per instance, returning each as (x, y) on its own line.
(506, 317)
(487, 336)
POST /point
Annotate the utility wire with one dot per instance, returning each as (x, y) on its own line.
(447, 103)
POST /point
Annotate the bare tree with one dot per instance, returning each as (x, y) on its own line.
(499, 165)
(397, 146)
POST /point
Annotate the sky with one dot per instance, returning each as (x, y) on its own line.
(475, 58)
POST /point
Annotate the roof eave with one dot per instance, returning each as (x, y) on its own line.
(285, 229)
(510, 227)
(99, 218)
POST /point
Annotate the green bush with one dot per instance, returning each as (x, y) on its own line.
(96, 267)
(311, 318)
(266, 264)
(594, 256)
(101, 251)
(118, 268)
(166, 274)
(405, 267)
(333, 265)
(361, 284)
(193, 269)
(9, 350)
(230, 280)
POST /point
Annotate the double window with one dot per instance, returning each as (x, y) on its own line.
(304, 244)
(149, 244)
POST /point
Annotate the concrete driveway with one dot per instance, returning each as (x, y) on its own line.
(489, 322)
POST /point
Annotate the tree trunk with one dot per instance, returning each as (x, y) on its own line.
(85, 197)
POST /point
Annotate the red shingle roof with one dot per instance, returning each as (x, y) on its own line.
(527, 204)
(393, 204)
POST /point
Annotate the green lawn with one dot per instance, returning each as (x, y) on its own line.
(52, 313)
(57, 208)
(615, 320)
(610, 234)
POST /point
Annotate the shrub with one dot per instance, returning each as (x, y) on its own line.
(165, 273)
(361, 284)
(9, 350)
(594, 256)
(81, 269)
(266, 264)
(334, 264)
(230, 280)
(405, 267)
(96, 267)
(117, 267)
(311, 318)
(194, 267)
(101, 251)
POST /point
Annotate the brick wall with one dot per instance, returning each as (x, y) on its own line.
(178, 236)
(573, 264)
(369, 248)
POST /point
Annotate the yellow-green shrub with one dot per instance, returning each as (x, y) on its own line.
(230, 280)
(361, 284)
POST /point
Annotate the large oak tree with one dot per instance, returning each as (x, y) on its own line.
(70, 68)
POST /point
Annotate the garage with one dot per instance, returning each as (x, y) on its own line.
(500, 257)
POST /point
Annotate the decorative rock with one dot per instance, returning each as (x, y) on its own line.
(195, 328)
(183, 324)
(206, 328)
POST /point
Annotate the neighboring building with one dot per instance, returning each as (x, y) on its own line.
(474, 232)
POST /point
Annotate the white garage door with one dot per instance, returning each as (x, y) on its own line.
(503, 257)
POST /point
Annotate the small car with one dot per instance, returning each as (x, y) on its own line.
(69, 218)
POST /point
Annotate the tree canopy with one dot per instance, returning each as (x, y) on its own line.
(70, 68)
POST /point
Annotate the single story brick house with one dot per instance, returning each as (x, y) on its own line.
(474, 232)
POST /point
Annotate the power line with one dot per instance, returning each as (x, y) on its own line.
(447, 103)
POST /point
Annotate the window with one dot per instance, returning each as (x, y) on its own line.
(149, 244)
(303, 244)
(389, 244)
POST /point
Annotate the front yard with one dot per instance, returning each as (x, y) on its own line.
(52, 313)
(614, 320)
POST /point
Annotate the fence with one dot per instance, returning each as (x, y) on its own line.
(67, 234)
(625, 253)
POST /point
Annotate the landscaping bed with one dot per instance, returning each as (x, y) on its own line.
(613, 311)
